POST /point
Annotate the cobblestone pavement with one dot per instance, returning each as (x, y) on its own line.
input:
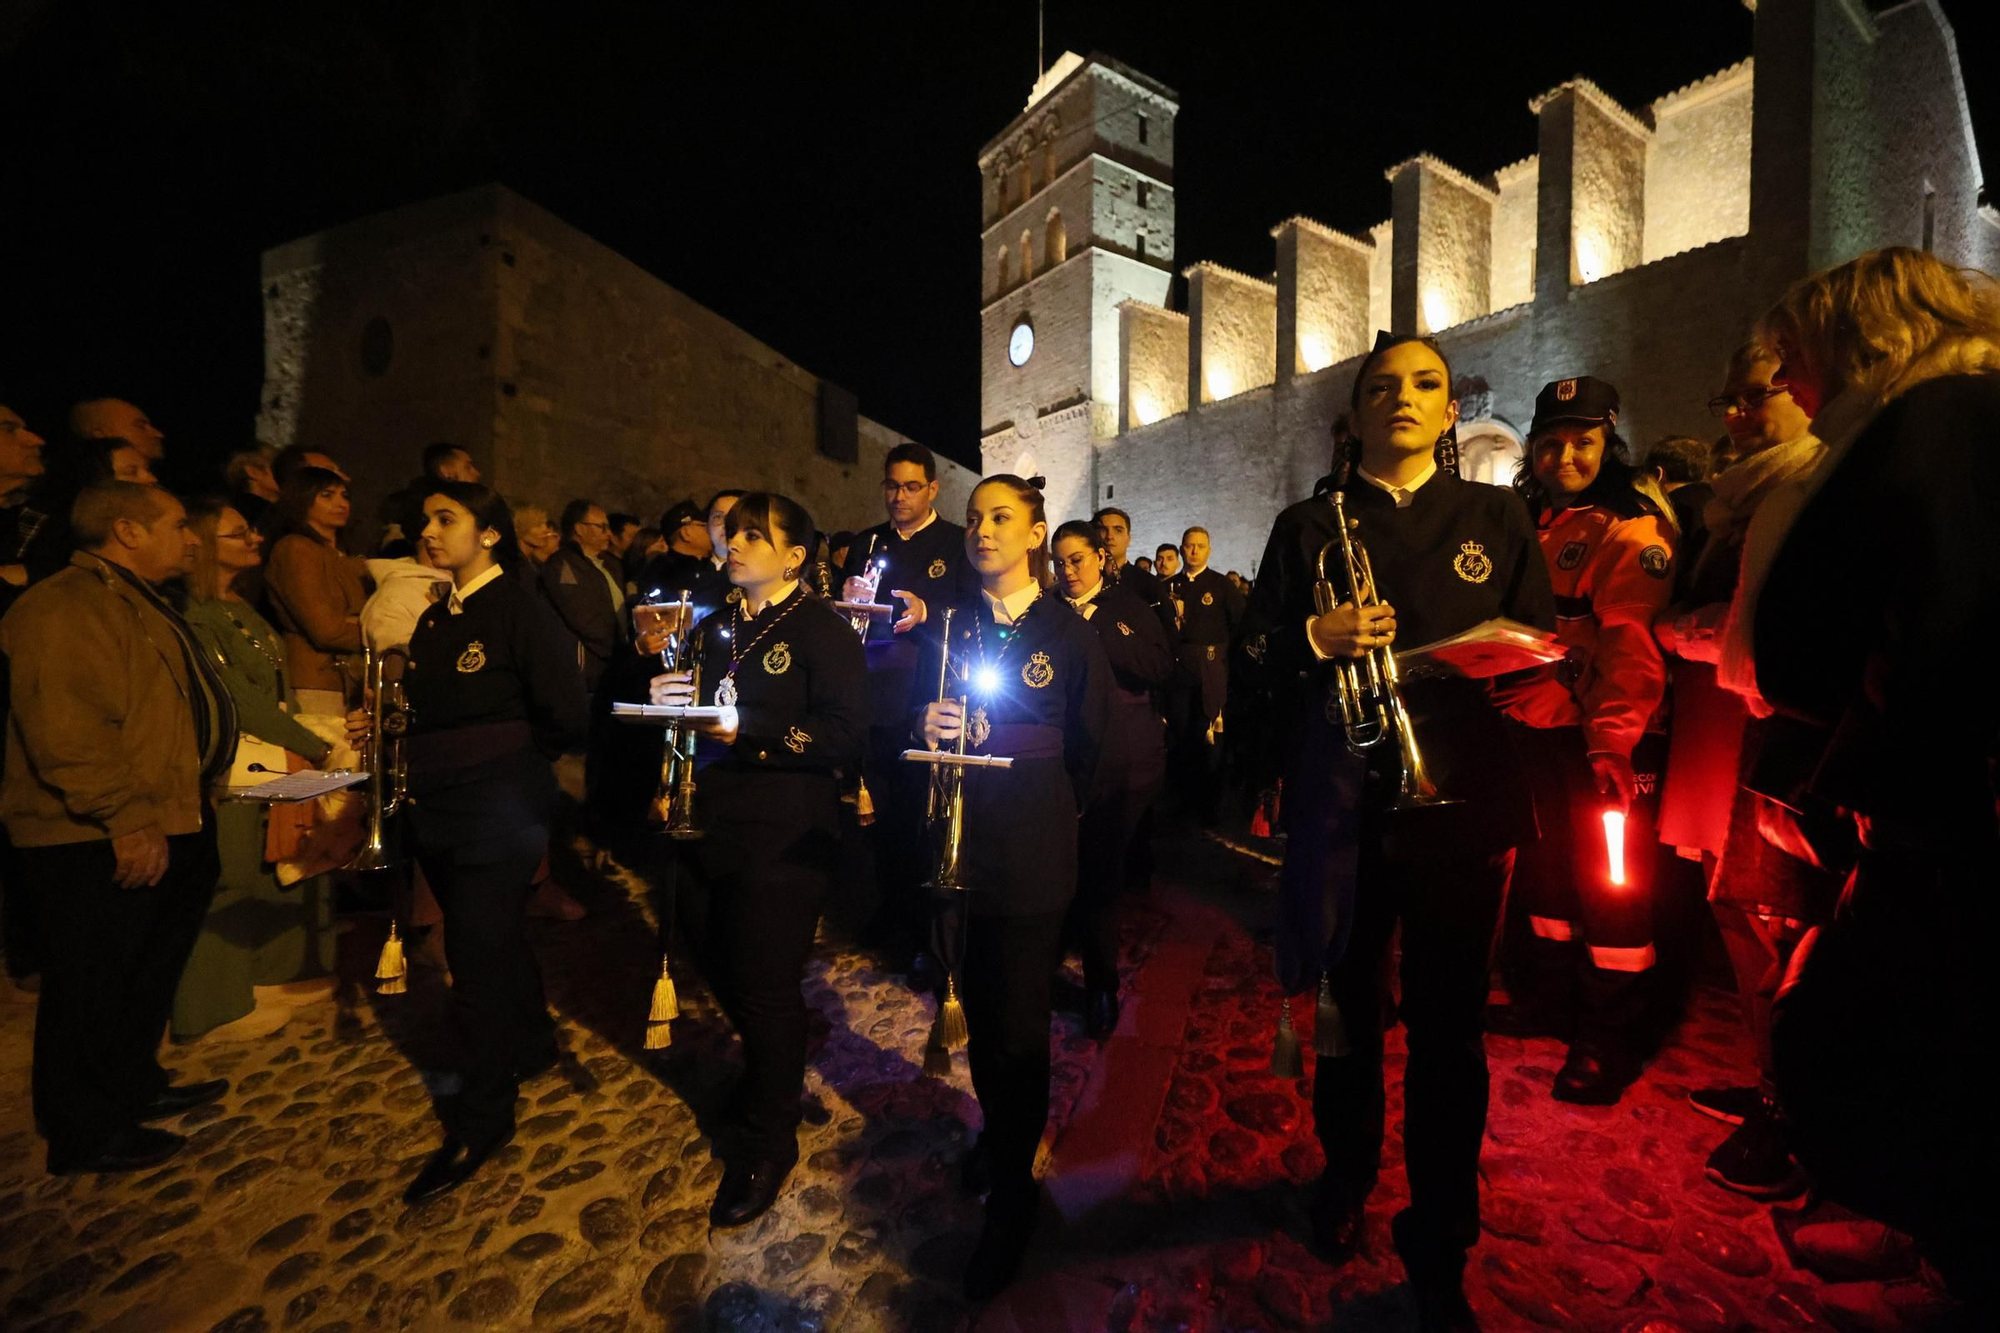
(1176, 1172)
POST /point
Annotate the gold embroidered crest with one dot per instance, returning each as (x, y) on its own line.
(1124, 629)
(1472, 564)
(779, 660)
(1039, 673)
(473, 658)
(1565, 390)
(735, 595)
(937, 568)
(797, 740)
(978, 727)
(1208, 599)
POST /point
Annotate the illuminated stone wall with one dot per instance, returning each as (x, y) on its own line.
(1232, 333)
(566, 369)
(1443, 245)
(1636, 247)
(1153, 360)
(1514, 233)
(1322, 296)
(1698, 164)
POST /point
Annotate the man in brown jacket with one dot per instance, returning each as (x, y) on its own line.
(117, 723)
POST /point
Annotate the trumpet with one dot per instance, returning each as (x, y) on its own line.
(382, 752)
(673, 805)
(1369, 688)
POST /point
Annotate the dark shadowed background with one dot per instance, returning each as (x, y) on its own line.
(807, 171)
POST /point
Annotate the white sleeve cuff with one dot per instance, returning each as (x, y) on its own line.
(1313, 643)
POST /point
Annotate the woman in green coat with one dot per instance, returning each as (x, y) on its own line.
(265, 947)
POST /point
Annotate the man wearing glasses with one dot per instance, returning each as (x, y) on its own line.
(922, 564)
(584, 593)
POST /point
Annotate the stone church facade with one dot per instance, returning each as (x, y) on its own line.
(1635, 244)
(566, 369)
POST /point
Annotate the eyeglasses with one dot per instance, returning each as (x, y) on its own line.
(243, 536)
(912, 488)
(1724, 404)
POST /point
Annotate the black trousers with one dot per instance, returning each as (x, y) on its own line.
(20, 915)
(1009, 964)
(496, 985)
(1104, 841)
(897, 842)
(1450, 906)
(749, 899)
(112, 959)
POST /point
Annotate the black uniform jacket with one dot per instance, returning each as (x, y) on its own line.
(494, 694)
(932, 565)
(1142, 664)
(1211, 613)
(802, 713)
(1048, 706)
(1462, 552)
(1889, 641)
(1152, 591)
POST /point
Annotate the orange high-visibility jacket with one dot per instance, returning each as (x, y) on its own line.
(1611, 576)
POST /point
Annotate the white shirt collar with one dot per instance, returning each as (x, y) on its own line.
(929, 519)
(1402, 495)
(1090, 596)
(776, 597)
(1006, 610)
(455, 603)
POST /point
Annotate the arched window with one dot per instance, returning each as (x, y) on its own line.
(1027, 256)
(1000, 270)
(1049, 152)
(1055, 245)
(1027, 177)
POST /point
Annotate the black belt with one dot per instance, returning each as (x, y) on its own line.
(462, 747)
(1024, 740)
(1573, 608)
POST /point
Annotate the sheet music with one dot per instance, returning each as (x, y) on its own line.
(300, 786)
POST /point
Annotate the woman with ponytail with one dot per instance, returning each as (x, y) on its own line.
(1447, 555)
(1037, 689)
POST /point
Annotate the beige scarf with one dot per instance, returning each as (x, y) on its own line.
(1773, 498)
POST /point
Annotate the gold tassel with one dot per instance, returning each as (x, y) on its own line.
(864, 803)
(659, 1036)
(951, 1017)
(666, 1002)
(391, 971)
(1285, 1062)
(937, 1055)
(1329, 1028)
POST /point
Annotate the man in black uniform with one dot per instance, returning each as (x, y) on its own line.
(1209, 611)
(920, 562)
(1166, 564)
(1451, 554)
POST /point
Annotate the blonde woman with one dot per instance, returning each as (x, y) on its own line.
(266, 946)
(1869, 594)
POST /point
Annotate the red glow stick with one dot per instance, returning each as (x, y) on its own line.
(1614, 843)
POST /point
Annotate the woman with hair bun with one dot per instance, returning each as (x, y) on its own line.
(495, 695)
(1037, 685)
(791, 680)
(1447, 556)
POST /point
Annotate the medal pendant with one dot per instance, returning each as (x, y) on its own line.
(978, 727)
(725, 693)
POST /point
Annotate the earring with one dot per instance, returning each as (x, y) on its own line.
(791, 573)
(487, 544)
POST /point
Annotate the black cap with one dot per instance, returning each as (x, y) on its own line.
(1584, 398)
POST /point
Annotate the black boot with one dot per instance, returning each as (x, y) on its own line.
(749, 1187)
(1604, 1059)
(1003, 1241)
(452, 1165)
(1437, 1277)
(1338, 1221)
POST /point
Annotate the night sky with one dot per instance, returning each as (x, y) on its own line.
(807, 171)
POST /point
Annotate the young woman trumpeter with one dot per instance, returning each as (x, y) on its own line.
(792, 682)
(1037, 687)
(1447, 555)
(495, 695)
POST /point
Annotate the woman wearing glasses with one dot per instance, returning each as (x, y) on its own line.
(1763, 899)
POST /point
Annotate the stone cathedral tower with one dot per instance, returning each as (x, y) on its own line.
(1077, 216)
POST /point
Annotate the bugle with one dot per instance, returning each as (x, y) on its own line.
(1369, 688)
(673, 803)
(382, 751)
